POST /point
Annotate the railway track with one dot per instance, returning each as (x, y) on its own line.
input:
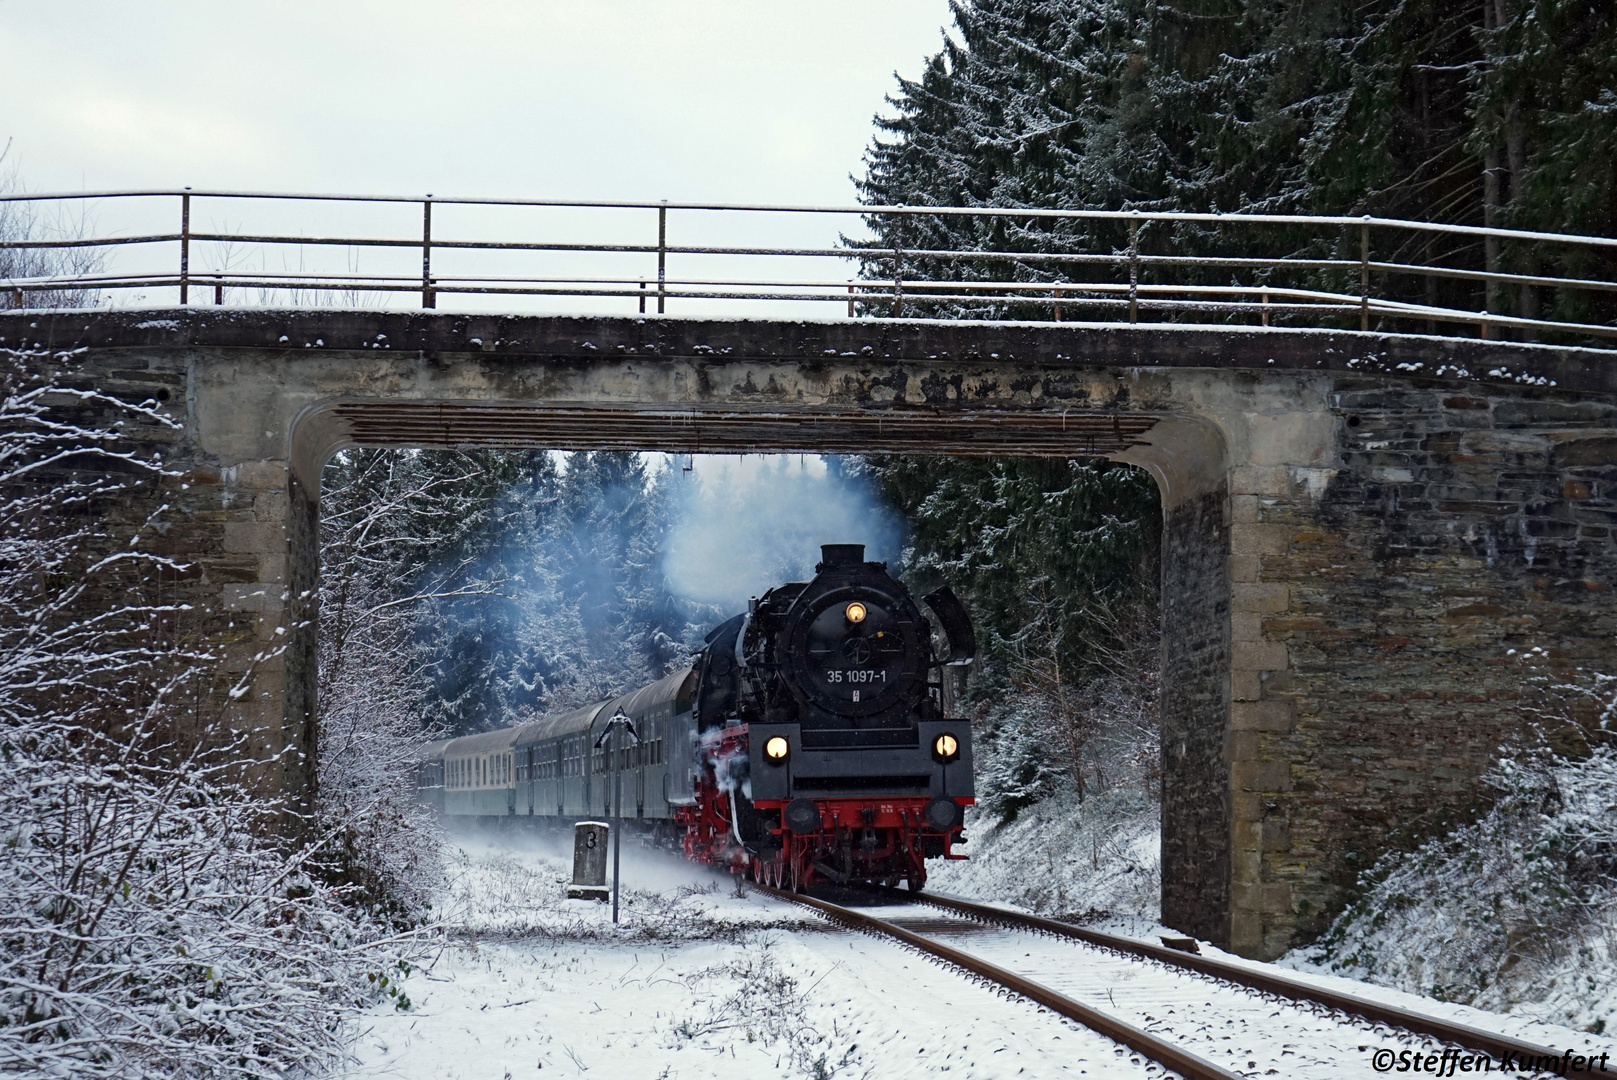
(1174, 1016)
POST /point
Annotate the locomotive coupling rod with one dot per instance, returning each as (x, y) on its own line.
(1498, 1046)
(1163, 1053)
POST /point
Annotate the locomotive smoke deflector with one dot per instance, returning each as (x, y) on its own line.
(956, 624)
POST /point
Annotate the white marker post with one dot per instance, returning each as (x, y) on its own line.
(619, 720)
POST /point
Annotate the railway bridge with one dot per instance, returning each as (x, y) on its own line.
(1366, 531)
(1363, 532)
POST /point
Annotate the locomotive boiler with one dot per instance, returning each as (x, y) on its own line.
(813, 738)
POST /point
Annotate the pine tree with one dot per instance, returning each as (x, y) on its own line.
(1056, 560)
(1499, 113)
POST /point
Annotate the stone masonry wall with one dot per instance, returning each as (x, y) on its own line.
(225, 524)
(1379, 626)
(1195, 702)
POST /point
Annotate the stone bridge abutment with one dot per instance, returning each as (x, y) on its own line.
(1362, 533)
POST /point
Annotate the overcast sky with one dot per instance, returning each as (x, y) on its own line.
(723, 99)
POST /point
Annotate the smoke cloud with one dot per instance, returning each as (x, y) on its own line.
(744, 524)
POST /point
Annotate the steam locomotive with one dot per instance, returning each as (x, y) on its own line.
(810, 740)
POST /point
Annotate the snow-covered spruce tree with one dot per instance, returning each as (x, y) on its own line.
(1499, 114)
(1057, 562)
(613, 517)
(530, 582)
(150, 922)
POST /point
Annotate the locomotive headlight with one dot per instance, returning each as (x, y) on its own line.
(945, 748)
(855, 612)
(776, 749)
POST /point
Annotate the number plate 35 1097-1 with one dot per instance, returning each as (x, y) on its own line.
(857, 676)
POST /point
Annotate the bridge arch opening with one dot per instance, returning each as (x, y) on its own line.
(1186, 457)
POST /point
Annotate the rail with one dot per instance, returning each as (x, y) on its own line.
(1282, 270)
(1499, 1046)
(1156, 1049)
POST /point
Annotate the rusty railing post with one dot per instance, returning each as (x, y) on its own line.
(850, 299)
(898, 282)
(1264, 314)
(642, 296)
(1364, 275)
(1134, 271)
(662, 255)
(185, 248)
(428, 300)
(218, 291)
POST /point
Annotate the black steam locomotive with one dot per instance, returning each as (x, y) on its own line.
(810, 740)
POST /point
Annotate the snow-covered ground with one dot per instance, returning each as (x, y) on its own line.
(696, 981)
(702, 980)
(1100, 860)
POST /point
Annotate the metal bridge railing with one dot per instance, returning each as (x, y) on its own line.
(1267, 270)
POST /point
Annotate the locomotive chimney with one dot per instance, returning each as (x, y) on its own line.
(840, 555)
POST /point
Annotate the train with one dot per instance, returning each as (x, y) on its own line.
(813, 738)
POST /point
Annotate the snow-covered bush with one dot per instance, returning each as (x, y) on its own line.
(149, 928)
(1099, 858)
(1516, 911)
(151, 921)
(383, 842)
